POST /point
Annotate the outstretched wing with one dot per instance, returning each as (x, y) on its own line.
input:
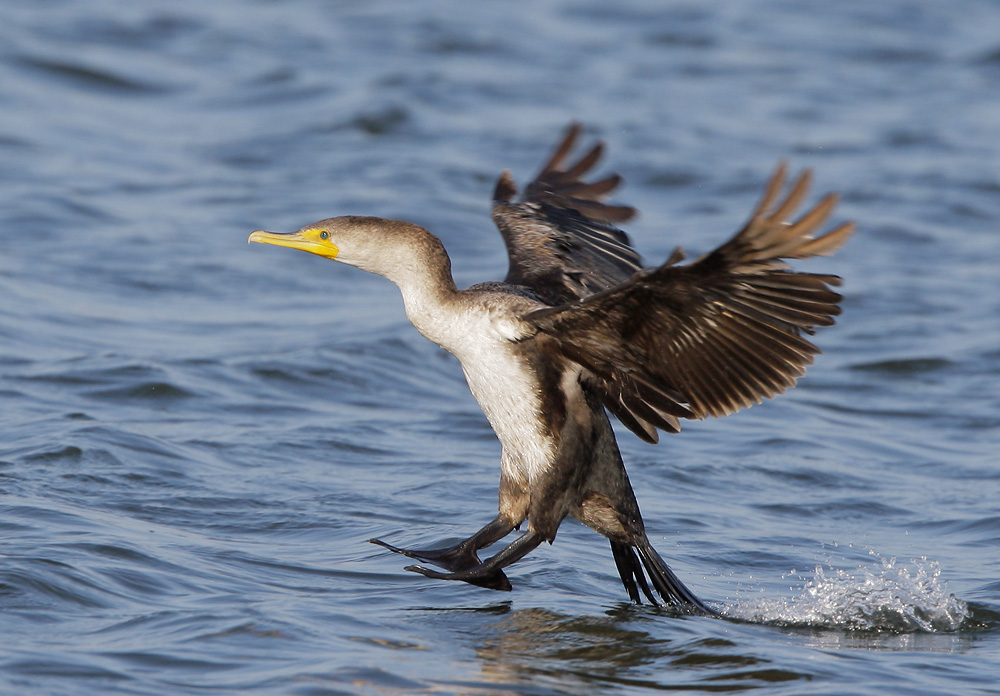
(560, 237)
(712, 337)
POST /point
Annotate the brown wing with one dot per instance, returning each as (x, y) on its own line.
(712, 337)
(560, 237)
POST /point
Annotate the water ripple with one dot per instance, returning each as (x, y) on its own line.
(197, 437)
(89, 78)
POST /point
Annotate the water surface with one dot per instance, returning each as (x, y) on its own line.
(197, 437)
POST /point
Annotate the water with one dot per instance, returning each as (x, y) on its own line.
(197, 437)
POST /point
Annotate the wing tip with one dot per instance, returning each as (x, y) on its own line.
(505, 189)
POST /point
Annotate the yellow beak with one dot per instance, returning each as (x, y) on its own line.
(306, 241)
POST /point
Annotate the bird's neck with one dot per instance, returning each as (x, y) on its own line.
(429, 293)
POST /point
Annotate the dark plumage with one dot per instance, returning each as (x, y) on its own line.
(560, 238)
(578, 327)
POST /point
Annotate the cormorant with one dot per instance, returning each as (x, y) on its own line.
(579, 328)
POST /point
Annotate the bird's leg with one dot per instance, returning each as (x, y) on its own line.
(462, 555)
(489, 573)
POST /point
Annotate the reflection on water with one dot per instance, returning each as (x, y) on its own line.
(534, 642)
(533, 645)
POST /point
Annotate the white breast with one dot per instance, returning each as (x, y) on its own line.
(482, 335)
(507, 391)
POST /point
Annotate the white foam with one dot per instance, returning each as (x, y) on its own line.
(889, 597)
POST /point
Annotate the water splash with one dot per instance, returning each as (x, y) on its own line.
(891, 597)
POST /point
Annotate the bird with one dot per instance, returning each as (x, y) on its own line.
(580, 329)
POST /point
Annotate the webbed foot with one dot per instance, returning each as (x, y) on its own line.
(492, 579)
(489, 573)
(462, 562)
(454, 558)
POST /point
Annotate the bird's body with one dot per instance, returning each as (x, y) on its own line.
(579, 329)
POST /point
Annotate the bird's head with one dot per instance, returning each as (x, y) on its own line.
(347, 239)
(390, 248)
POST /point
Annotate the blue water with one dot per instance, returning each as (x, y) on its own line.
(197, 436)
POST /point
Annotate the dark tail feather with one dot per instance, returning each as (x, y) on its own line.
(630, 571)
(669, 587)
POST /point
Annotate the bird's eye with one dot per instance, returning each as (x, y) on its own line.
(324, 235)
